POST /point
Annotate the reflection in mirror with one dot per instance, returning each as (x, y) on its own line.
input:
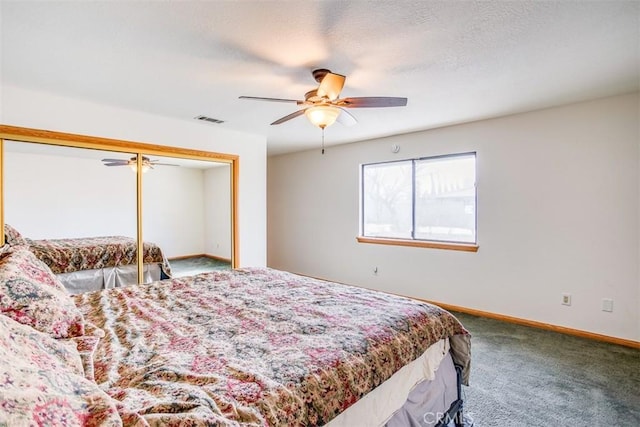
(187, 212)
(76, 215)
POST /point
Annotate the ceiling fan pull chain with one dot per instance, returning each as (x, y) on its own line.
(322, 139)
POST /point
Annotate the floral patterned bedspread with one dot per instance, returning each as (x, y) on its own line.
(88, 253)
(253, 346)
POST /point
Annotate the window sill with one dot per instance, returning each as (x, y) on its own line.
(466, 247)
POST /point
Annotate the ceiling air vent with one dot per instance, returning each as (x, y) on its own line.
(209, 119)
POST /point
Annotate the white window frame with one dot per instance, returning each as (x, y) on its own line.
(412, 241)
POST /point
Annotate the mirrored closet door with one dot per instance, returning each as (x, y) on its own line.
(72, 210)
(88, 206)
(187, 212)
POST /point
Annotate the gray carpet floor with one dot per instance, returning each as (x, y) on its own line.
(523, 376)
(195, 265)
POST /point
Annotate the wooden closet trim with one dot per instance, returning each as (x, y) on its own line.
(107, 144)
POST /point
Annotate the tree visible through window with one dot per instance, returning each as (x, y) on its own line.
(431, 198)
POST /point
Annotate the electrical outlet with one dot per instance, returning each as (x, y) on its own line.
(566, 299)
(607, 304)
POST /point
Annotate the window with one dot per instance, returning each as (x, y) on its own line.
(426, 199)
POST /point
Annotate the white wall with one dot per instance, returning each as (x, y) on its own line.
(173, 209)
(52, 197)
(217, 182)
(40, 110)
(558, 211)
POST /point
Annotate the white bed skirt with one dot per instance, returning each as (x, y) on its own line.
(106, 278)
(409, 392)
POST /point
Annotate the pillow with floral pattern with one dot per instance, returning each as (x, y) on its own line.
(42, 382)
(31, 294)
(13, 236)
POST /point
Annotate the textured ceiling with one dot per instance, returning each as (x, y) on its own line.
(456, 61)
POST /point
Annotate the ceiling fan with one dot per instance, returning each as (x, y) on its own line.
(132, 163)
(323, 107)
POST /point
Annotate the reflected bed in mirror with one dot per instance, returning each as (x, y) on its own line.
(88, 264)
(78, 213)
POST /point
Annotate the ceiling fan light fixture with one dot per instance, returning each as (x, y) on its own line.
(134, 166)
(322, 115)
(324, 107)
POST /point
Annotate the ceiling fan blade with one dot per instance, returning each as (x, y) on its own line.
(372, 102)
(258, 98)
(115, 164)
(114, 160)
(346, 118)
(163, 164)
(331, 86)
(289, 117)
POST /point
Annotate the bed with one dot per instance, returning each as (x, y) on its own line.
(253, 346)
(94, 263)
